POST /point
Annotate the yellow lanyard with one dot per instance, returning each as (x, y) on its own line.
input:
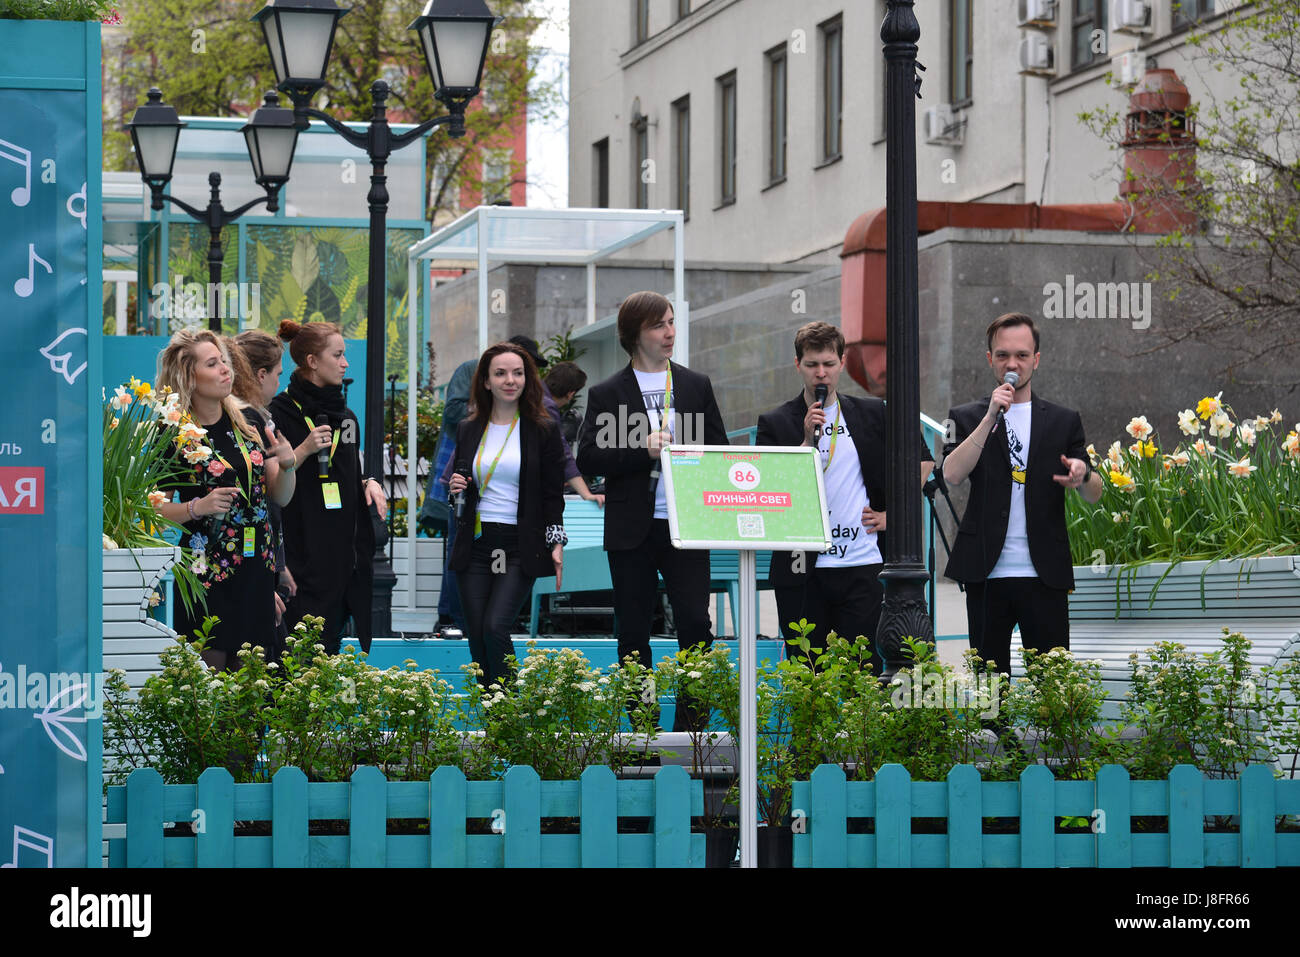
(334, 446)
(248, 463)
(835, 437)
(478, 459)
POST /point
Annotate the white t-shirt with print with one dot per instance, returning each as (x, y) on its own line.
(1014, 562)
(852, 544)
(653, 385)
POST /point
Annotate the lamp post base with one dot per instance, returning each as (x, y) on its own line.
(905, 614)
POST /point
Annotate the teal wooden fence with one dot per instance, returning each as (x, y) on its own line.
(516, 807)
(1176, 838)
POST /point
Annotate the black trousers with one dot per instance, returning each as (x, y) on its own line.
(846, 601)
(994, 607)
(493, 589)
(636, 587)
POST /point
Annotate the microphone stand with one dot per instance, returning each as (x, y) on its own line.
(935, 483)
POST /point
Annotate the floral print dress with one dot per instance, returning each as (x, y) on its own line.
(240, 587)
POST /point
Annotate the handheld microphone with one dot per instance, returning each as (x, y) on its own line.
(1012, 379)
(462, 469)
(323, 457)
(819, 395)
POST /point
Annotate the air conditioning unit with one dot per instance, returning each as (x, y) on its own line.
(1128, 67)
(1131, 16)
(1037, 13)
(943, 127)
(1037, 56)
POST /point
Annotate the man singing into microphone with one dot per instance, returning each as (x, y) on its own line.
(839, 590)
(1021, 453)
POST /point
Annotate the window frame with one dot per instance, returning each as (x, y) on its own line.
(1178, 25)
(640, 155)
(1097, 20)
(961, 65)
(682, 155)
(600, 173)
(777, 61)
(727, 88)
(640, 21)
(831, 89)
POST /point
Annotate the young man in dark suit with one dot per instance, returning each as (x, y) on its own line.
(838, 590)
(624, 431)
(1021, 453)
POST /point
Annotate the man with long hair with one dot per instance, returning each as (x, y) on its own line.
(630, 417)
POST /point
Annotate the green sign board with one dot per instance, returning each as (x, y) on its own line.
(746, 497)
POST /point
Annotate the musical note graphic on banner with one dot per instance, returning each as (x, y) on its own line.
(61, 361)
(14, 153)
(81, 195)
(42, 845)
(58, 721)
(25, 285)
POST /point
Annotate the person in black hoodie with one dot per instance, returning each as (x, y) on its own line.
(328, 536)
(510, 522)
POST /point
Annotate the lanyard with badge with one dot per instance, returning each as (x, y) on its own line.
(250, 531)
(835, 437)
(330, 490)
(478, 468)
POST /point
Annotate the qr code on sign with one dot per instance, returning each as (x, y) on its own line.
(751, 526)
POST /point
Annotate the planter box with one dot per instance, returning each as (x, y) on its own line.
(1266, 587)
(445, 802)
(892, 800)
(133, 640)
(428, 573)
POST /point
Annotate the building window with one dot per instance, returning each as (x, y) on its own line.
(640, 21)
(882, 114)
(832, 36)
(1188, 12)
(683, 8)
(961, 51)
(1088, 33)
(776, 113)
(600, 174)
(642, 172)
(682, 153)
(497, 177)
(727, 138)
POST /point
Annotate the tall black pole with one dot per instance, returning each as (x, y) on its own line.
(379, 149)
(215, 253)
(905, 613)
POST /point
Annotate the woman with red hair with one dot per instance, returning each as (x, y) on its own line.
(329, 541)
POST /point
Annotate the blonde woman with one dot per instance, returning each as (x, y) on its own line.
(238, 465)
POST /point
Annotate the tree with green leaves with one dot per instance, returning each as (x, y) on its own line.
(1235, 273)
(210, 59)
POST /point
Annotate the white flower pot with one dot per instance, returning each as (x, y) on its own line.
(133, 640)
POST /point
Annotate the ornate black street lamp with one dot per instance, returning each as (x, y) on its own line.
(271, 136)
(905, 613)
(454, 36)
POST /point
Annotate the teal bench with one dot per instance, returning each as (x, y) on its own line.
(586, 569)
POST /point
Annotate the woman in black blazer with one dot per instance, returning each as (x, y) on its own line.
(510, 531)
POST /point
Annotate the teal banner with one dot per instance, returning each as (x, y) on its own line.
(50, 681)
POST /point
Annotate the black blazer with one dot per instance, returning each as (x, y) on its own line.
(865, 418)
(541, 494)
(612, 444)
(1053, 431)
